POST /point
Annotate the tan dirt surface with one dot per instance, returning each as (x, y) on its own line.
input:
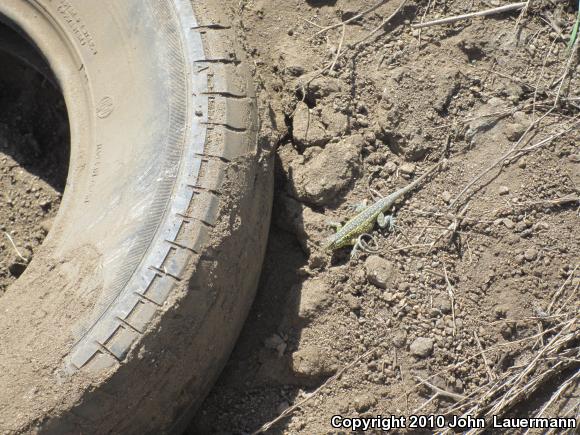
(387, 110)
(455, 277)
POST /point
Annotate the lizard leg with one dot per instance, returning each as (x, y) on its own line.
(334, 224)
(362, 245)
(357, 208)
(386, 221)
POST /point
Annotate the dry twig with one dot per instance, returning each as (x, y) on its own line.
(439, 392)
(561, 290)
(14, 246)
(490, 374)
(451, 293)
(514, 152)
(493, 11)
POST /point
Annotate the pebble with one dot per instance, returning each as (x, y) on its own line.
(399, 338)
(509, 224)
(503, 190)
(446, 196)
(422, 347)
(531, 254)
(380, 272)
(388, 296)
(390, 167)
(273, 341)
(407, 168)
(353, 302)
(46, 224)
(310, 362)
(364, 402)
(443, 304)
(515, 131)
(316, 261)
(520, 226)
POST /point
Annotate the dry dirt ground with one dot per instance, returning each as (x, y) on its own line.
(463, 271)
(471, 298)
(33, 164)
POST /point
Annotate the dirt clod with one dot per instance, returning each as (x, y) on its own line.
(422, 347)
(364, 402)
(335, 166)
(310, 362)
(380, 272)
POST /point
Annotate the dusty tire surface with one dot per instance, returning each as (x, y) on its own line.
(125, 318)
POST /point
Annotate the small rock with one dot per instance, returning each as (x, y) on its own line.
(380, 272)
(296, 65)
(508, 330)
(353, 302)
(310, 362)
(46, 225)
(503, 190)
(399, 338)
(364, 402)
(509, 224)
(446, 196)
(531, 254)
(407, 168)
(422, 347)
(390, 167)
(482, 122)
(335, 123)
(520, 226)
(443, 303)
(541, 226)
(514, 131)
(316, 261)
(387, 296)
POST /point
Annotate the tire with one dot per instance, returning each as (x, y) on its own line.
(128, 313)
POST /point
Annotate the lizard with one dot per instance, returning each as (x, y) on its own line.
(363, 222)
